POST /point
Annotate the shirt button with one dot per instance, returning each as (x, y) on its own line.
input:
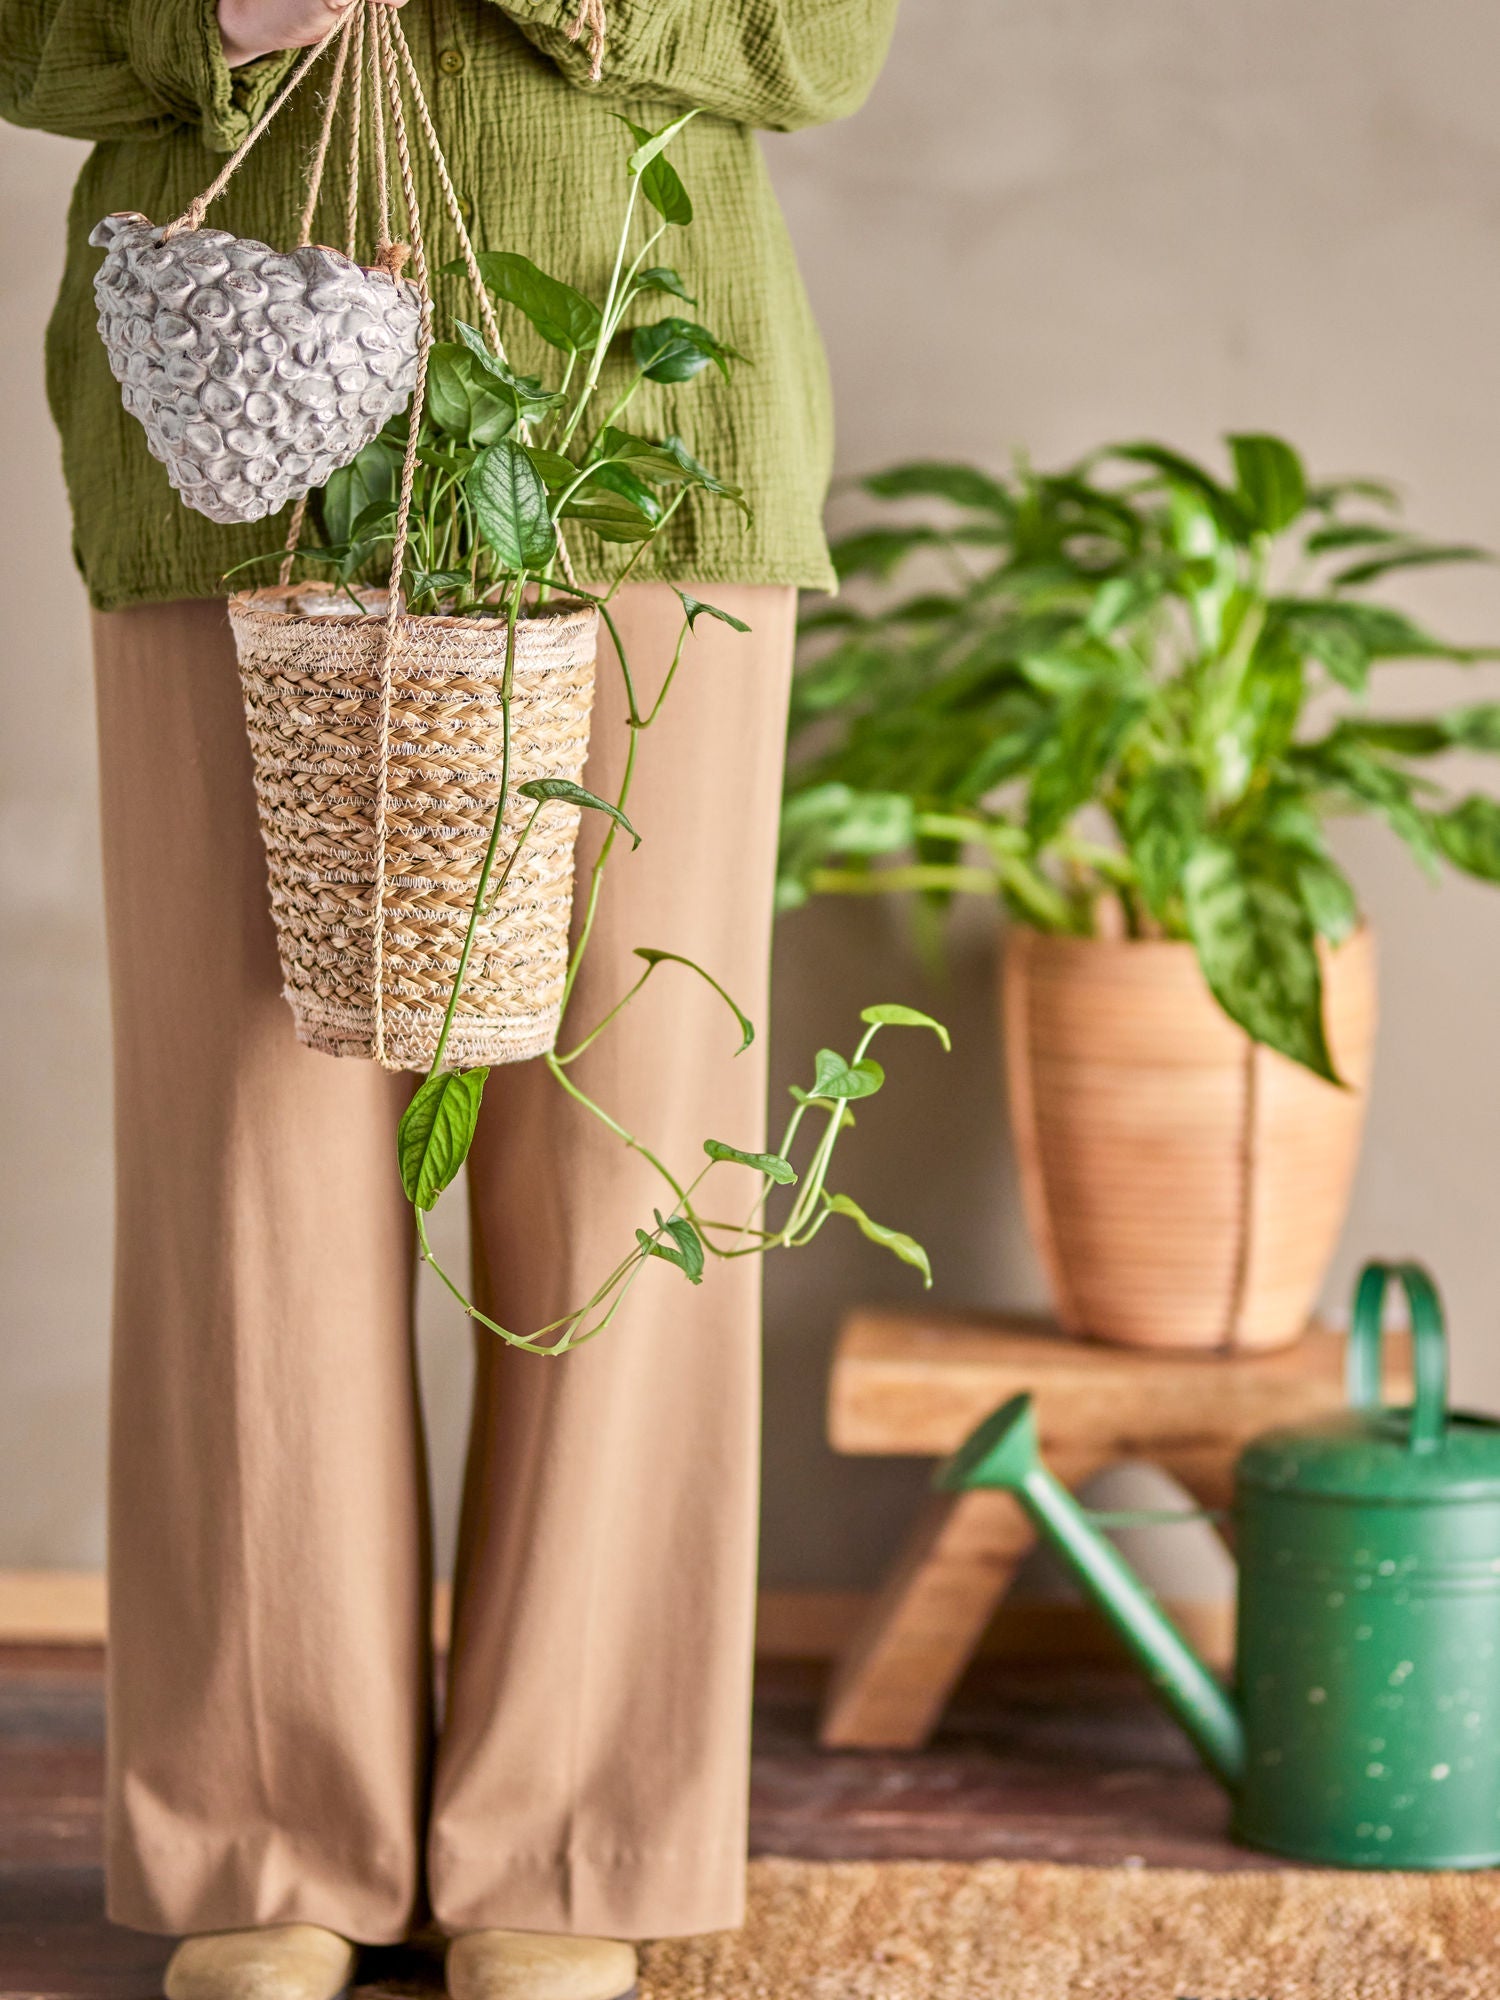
(451, 62)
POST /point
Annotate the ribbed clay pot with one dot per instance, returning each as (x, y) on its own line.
(1185, 1187)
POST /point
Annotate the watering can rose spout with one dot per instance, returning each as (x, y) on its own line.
(1367, 1726)
(1004, 1453)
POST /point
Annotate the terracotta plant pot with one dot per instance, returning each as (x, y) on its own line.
(1184, 1186)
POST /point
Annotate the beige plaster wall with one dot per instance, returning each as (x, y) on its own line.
(1054, 223)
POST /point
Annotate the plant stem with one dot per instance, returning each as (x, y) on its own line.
(596, 362)
(635, 1145)
(513, 614)
(595, 881)
(641, 547)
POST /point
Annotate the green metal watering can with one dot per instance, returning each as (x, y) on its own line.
(1366, 1728)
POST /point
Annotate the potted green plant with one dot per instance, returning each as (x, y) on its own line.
(417, 685)
(1124, 701)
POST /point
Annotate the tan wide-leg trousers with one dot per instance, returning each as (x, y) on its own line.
(271, 1752)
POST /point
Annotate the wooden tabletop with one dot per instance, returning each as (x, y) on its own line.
(912, 1382)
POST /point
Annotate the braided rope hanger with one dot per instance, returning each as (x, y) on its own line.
(371, 30)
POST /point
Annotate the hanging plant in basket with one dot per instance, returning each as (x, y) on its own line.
(418, 679)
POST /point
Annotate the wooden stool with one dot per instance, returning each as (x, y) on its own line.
(914, 1382)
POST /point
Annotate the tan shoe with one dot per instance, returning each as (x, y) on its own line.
(524, 1965)
(280, 1962)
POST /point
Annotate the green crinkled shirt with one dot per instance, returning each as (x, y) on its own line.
(538, 157)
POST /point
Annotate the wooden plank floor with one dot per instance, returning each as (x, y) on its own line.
(1058, 1766)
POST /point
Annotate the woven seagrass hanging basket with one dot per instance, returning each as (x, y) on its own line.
(379, 737)
(311, 673)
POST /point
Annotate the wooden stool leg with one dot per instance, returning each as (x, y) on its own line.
(926, 1621)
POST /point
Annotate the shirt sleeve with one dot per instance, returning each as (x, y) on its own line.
(777, 64)
(128, 69)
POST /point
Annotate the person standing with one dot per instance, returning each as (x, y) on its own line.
(277, 1793)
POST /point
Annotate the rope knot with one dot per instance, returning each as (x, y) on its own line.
(393, 258)
(590, 28)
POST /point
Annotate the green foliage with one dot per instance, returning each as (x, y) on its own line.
(895, 1240)
(1128, 696)
(683, 1245)
(505, 459)
(509, 500)
(770, 1164)
(436, 1131)
(544, 789)
(503, 464)
(562, 316)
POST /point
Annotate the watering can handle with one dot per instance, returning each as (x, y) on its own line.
(1429, 1415)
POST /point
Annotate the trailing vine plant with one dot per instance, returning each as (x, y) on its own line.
(503, 463)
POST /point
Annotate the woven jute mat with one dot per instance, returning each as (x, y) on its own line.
(992, 1930)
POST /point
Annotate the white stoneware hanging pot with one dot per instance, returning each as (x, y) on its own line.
(255, 373)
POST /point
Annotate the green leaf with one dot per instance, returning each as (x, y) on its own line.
(524, 393)
(625, 484)
(890, 1014)
(651, 145)
(878, 552)
(1371, 631)
(1408, 555)
(1469, 835)
(847, 1119)
(694, 608)
(557, 473)
(1272, 486)
(1331, 494)
(836, 820)
(653, 957)
(1351, 535)
(643, 457)
(932, 479)
(1399, 735)
(1267, 710)
(895, 1240)
(436, 1132)
(659, 180)
(1163, 819)
(661, 278)
(700, 475)
(543, 789)
(377, 521)
(1363, 776)
(1256, 945)
(1327, 896)
(675, 350)
(1090, 731)
(436, 583)
(1191, 477)
(463, 399)
(685, 1249)
(833, 1077)
(369, 479)
(1335, 643)
(662, 187)
(510, 507)
(772, 1165)
(615, 505)
(1475, 727)
(562, 316)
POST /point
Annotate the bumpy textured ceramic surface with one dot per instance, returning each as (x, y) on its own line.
(255, 373)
